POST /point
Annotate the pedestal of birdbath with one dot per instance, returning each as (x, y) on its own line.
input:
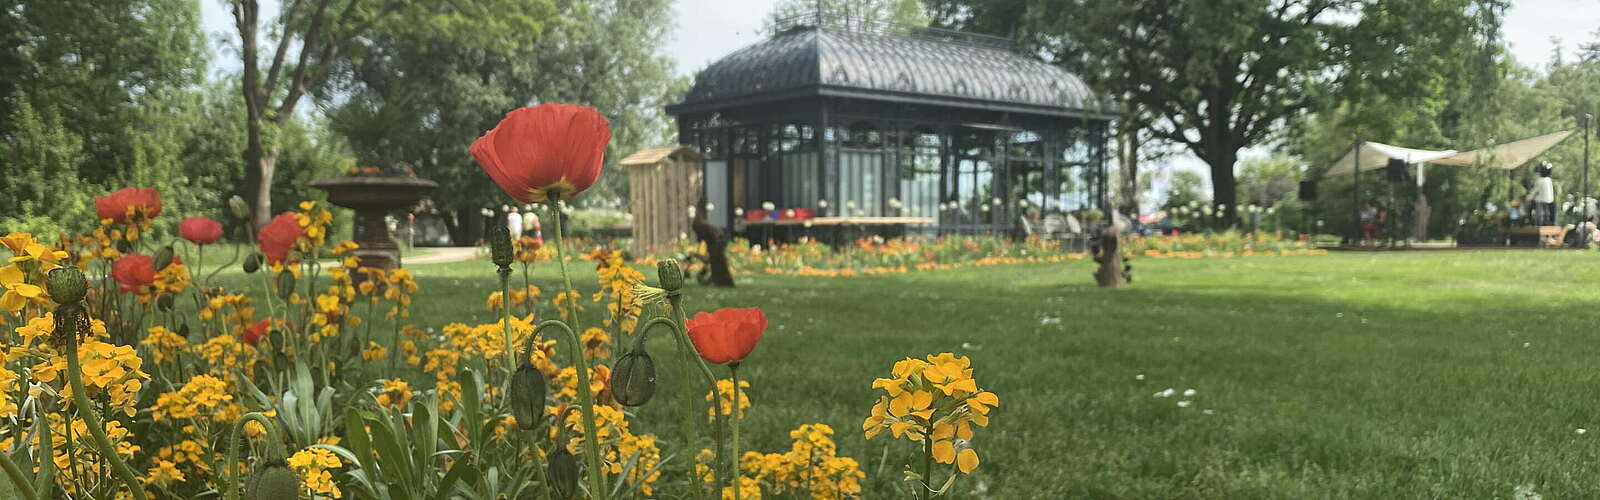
(372, 198)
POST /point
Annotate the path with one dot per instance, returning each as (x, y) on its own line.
(438, 255)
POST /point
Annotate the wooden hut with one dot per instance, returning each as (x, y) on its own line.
(662, 184)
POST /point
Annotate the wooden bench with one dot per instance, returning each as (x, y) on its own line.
(1549, 236)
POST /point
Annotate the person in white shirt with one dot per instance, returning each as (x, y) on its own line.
(1543, 196)
(514, 222)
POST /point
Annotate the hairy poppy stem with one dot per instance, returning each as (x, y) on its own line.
(230, 472)
(591, 449)
(738, 476)
(505, 309)
(92, 421)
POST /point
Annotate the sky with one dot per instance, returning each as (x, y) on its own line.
(705, 30)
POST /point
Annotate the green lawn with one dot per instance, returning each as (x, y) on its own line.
(1350, 375)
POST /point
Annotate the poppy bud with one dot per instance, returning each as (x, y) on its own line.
(273, 481)
(671, 274)
(500, 246)
(240, 209)
(183, 330)
(67, 285)
(285, 284)
(252, 263)
(124, 246)
(633, 378)
(164, 303)
(527, 396)
(163, 258)
(563, 473)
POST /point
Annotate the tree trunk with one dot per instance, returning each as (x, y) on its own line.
(259, 164)
(1108, 252)
(1130, 171)
(1224, 189)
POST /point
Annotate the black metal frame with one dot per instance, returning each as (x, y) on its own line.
(749, 104)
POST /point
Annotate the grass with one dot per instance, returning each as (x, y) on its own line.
(1350, 375)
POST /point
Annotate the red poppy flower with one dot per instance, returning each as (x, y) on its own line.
(200, 230)
(121, 205)
(727, 335)
(258, 331)
(552, 151)
(133, 272)
(278, 237)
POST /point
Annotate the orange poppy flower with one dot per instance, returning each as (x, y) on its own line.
(121, 205)
(200, 230)
(256, 332)
(548, 152)
(278, 237)
(133, 272)
(727, 335)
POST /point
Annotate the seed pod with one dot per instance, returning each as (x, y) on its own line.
(164, 304)
(67, 285)
(183, 330)
(633, 378)
(241, 210)
(124, 246)
(670, 273)
(285, 284)
(527, 396)
(252, 263)
(500, 245)
(163, 258)
(563, 473)
(273, 481)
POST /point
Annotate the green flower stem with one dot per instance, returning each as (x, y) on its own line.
(17, 480)
(689, 414)
(737, 416)
(927, 466)
(45, 480)
(92, 420)
(591, 453)
(692, 357)
(230, 472)
(511, 348)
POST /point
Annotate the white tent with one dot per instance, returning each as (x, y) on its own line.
(1506, 156)
(1376, 155)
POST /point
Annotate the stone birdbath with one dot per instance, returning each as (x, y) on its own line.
(372, 198)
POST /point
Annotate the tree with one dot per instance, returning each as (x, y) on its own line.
(1228, 74)
(487, 57)
(1185, 188)
(850, 13)
(319, 31)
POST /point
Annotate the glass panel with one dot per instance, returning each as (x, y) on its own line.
(861, 177)
(919, 172)
(799, 180)
(863, 135)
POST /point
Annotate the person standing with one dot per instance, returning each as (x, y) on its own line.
(514, 221)
(1543, 196)
(530, 224)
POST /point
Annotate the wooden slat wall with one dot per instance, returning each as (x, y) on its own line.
(659, 198)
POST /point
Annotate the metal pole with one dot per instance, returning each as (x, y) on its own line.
(1355, 197)
(1584, 200)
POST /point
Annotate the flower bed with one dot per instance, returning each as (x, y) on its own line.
(125, 376)
(870, 256)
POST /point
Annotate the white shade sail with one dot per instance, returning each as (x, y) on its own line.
(1508, 155)
(1376, 155)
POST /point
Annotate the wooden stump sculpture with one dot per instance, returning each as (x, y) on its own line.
(716, 272)
(1108, 252)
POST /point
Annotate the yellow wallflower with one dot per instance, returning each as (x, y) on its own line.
(935, 399)
(724, 398)
(313, 465)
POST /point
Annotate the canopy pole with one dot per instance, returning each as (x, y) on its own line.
(1584, 200)
(1355, 198)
